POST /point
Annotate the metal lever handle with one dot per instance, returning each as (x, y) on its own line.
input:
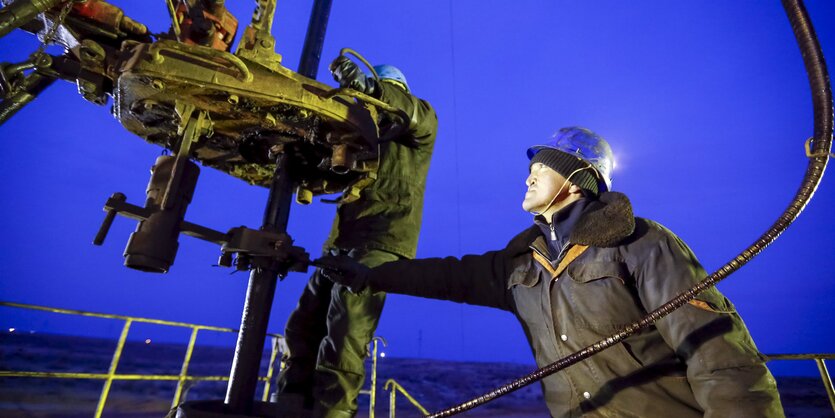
(108, 218)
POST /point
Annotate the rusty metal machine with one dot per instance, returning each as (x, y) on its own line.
(242, 113)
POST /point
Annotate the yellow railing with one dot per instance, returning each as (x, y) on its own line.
(372, 392)
(393, 387)
(819, 358)
(111, 374)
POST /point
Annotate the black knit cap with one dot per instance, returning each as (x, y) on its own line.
(565, 164)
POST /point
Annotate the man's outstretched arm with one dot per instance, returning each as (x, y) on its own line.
(474, 279)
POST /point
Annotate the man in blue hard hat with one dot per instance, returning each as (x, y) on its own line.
(585, 269)
(329, 331)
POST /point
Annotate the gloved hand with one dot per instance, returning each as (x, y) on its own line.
(349, 75)
(344, 270)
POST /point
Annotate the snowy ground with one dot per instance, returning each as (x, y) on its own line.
(436, 384)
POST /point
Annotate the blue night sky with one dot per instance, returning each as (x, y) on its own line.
(706, 105)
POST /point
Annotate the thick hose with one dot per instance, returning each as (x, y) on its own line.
(356, 54)
(822, 101)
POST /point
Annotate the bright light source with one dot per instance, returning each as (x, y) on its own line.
(148, 341)
(11, 329)
(383, 354)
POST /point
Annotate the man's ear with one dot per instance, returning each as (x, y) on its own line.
(574, 189)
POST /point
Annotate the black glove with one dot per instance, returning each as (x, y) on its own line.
(344, 270)
(349, 75)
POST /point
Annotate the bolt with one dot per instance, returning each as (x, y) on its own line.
(267, 43)
(233, 99)
(269, 120)
(275, 151)
(158, 84)
(91, 51)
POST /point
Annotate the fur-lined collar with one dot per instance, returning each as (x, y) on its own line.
(605, 222)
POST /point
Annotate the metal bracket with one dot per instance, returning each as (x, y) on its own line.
(253, 248)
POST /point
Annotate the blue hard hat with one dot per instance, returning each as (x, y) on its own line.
(390, 72)
(586, 146)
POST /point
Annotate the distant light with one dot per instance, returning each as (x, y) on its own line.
(32, 331)
(148, 341)
(11, 329)
(383, 354)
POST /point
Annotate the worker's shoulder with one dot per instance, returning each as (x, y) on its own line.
(650, 233)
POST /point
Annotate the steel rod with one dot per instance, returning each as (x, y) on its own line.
(315, 38)
(243, 377)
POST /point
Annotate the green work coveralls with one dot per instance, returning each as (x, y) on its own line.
(330, 329)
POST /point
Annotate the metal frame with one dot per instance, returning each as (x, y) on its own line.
(391, 385)
(394, 387)
(111, 374)
(826, 378)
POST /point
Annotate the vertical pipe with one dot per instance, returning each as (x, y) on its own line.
(315, 38)
(372, 402)
(112, 371)
(392, 400)
(243, 377)
(270, 369)
(184, 369)
(827, 381)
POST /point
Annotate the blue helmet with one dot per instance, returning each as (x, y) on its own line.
(392, 73)
(586, 146)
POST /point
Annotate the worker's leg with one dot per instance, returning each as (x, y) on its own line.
(352, 320)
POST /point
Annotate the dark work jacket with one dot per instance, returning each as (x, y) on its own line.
(387, 216)
(698, 361)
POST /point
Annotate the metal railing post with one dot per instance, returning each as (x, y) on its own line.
(184, 369)
(372, 403)
(827, 381)
(112, 371)
(270, 369)
(392, 398)
(394, 387)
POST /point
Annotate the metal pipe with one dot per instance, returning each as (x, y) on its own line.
(270, 369)
(184, 368)
(818, 158)
(122, 317)
(28, 90)
(243, 377)
(372, 403)
(315, 38)
(114, 363)
(21, 12)
(827, 381)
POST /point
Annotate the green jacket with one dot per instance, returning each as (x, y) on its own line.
(699, 361)
(387, 216)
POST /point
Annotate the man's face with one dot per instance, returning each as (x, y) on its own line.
(543, 183)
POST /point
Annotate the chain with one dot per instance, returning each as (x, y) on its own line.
(50, 34)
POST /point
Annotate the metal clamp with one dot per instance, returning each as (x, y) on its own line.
(819, 153)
